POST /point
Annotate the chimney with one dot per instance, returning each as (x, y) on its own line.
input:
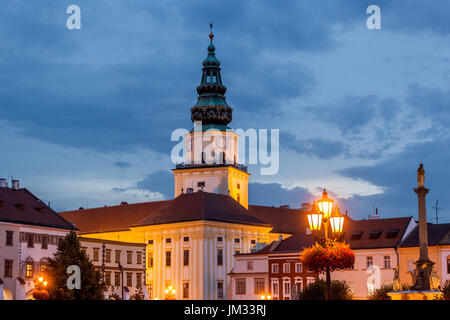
(3, 183)
(375, 216)
(15, 184)
(306, 206)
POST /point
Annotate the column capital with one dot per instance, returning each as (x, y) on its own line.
(421, 191)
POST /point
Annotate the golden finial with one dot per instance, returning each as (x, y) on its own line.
(211, 36)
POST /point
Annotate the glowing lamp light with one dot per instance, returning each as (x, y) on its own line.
(269, 297)
(263, 297)
(325, 205)
(41, 279)
(45, 283)
(337, 222)
(315, 221)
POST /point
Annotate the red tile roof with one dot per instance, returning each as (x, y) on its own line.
(115, 218)
(21, 206)
(202, 206)
(283, 220)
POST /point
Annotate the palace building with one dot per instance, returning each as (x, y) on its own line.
(191, 240)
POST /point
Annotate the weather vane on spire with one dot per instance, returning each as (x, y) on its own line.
(211, 36)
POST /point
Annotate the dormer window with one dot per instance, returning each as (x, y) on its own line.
(392, 233)
(356, 235)
(375, 234)
(201, 184)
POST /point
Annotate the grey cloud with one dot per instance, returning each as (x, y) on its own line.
(318, 147)
(122, 164)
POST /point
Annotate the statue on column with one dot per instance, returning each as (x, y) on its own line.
(420, 176)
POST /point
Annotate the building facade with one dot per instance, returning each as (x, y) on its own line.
(29, 234)
(122, 265)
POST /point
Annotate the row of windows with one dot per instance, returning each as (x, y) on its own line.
(260, 286)
(185, 258)
(287, 285)
(219, 239)
(386, 262)
(275, 268)
(30, 268)
(117, 279)
(31, 239)
(117, 256)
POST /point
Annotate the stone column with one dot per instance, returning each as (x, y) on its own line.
(423, 265)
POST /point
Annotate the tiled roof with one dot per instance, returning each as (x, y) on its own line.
(202, 206)
(379, 239)
(438, 234)
(21, 206)
(186, 207)
(283, 220)
(301, 240)
(114, 218)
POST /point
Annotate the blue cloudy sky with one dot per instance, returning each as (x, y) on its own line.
(86, 115)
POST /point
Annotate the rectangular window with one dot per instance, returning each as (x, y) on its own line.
(220, 289)
(201, 184)
(150, 291)
(117, 279)
(448, 266)
(310, 280)
(8, 268)
(96, 254)
(275, 268)
(298, 285)
(44, 244)
(139, 257)
(253, 241)
(108, 278)
(138, 279)
(369, 261)
(129, 257)
(150, 259)
(287, 288)
(238, 186)
(30, 240)
(260, 286)
(9, 238)
(117, 256)
(236, 252)
(29, 269)
(186, 290)
(186, 239)
(299, 267)
(219, 257)
(238, 197)
(275, 287)
(286, 267)
(387, 262)
(411, 266)
(185, 257)
(168, 240)
(108, 255)
(237, 240)
(240, 286)
(150, 241)
(129, 279)
(249, 265)
(219, 239)
(168, 258)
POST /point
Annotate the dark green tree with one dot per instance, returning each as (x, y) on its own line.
(340, 290)
(139, 295)
(69, 253)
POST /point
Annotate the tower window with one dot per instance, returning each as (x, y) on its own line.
(238, 196)
(238, 186)
(201, 184)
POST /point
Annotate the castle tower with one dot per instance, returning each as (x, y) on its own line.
(211, 157)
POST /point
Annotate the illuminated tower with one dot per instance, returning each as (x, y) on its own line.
(211, 158)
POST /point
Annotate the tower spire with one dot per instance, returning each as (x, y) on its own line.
(211, 107)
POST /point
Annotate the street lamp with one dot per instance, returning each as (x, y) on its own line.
(325, 213)
(170, 293)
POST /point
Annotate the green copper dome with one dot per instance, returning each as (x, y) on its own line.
(211, 106)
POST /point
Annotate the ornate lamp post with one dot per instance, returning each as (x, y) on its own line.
(326, 213)
(170, 293)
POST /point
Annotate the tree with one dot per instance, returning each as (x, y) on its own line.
(317, 291)
(446, 290)
(328, 256)
(69, 253)
(139, 294)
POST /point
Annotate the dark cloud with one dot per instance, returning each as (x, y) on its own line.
(273, 194)
(122, 164)
(318, 147)
(161, 181)
(397, 177)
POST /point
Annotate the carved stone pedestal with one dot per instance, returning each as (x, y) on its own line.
(423, 275)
